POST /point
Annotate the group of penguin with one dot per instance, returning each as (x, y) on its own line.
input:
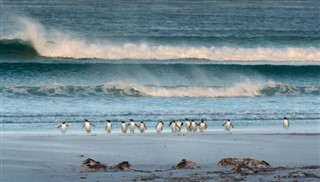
(175, 127)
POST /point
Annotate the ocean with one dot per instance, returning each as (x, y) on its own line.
(253, 62)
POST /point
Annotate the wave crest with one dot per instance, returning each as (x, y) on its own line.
(130, 90)
(58, 44)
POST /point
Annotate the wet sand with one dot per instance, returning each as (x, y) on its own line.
(55, 157)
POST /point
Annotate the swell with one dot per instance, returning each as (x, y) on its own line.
(127, 90)
(17, 48)
(170, 70)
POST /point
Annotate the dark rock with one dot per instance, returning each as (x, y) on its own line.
(252, 163)
(90, 165)
(123, 166)
(230, 162)
(244, 166)
(185, 164)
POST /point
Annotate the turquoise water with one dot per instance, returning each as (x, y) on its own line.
(253, 62)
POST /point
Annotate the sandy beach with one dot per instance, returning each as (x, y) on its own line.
(55, 157)
(251, 66)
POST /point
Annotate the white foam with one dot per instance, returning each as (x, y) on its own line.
(62, 45)
(245, 89)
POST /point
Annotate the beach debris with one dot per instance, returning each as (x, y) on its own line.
(90, 165)
(185, 164)
(244, 166)
(123, 166)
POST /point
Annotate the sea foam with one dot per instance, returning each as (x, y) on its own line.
(242, 89)
(58, 44)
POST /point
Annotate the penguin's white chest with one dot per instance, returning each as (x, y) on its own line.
(202, 126)
(286, 123)
(63, 128)
(132, 126)
(142, 128)
(159, 127)
(228, 125)
(87, 126)
(173, 127)
(109, 128)
(193, 126)
(124, 128)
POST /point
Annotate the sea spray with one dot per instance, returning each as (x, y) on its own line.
(245, 89)
(58, 44)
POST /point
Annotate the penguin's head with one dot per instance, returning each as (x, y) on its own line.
(64, 122)
(285, 118)
(108, 121)
(86, 120)
(187, 119)
(122, 121)
(141, 121)
(202, 120)
(131, 120)
(228, 120)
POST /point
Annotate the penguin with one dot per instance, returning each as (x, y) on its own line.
(132, 125)
(108, 126)
(285, 123)
(178, 126)
(123, 127)
(172, 125)
(228, 125)
(202, 125)
(188, 123)
(87, 125)
(63, 126)
(193, 126)
(159, 126)
(142, 127)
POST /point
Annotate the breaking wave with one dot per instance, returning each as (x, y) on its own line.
(35, 40)
(127, 90)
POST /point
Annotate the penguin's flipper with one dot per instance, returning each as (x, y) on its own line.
(59, 126)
